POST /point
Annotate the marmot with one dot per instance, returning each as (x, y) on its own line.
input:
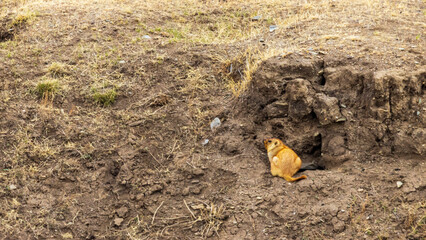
(284, 161)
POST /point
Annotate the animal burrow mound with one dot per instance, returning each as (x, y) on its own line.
(330, 111)
(6, 30)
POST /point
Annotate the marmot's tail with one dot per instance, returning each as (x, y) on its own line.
(290, 179)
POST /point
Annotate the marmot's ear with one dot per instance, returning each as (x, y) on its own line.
(276, 143)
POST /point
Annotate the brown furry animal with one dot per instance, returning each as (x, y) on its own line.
(284, 161)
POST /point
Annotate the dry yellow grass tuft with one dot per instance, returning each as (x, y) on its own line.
(212, 217)
(238, 71)
(46, 90)
(57, 69)
(23, 17)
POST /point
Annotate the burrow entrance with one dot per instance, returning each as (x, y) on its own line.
(9, 28)
(330, 111)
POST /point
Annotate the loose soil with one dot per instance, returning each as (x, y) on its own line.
(142, 168)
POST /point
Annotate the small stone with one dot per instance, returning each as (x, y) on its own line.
(360, 190)
(198, 172)
(256, 18)
(273, 28)
(215, 123)
(156, 188)
(122, 211)
(140, 196)
(204, 142)
(146, 37)
(121, 61)
(185, 191)
(118, 221)
(195, 190)
(137, 123)
(401, 49)
(338, 226)
(261, 40)
(399, 184)
(12, 187)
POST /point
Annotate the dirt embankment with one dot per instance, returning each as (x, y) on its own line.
(335, 110)
(362, 124)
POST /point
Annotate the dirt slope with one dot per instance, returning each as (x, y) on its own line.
(105, 109)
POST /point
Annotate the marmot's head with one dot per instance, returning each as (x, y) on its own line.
(272, 143)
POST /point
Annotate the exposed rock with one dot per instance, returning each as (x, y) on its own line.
(335, 146)
(118, 221)
(299, 99)
(326, 109)
(121, 212)
(277, 110)
(338, 226)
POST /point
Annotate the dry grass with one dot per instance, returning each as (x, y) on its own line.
(369, 216)
(238, 71)
(104, 97)
(57, 69)
(47, 88)
(211, 217)
(24, 16)
(415, 217)
(204, 219)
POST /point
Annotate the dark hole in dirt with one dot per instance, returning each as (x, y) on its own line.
(316, 149)
(312, 116)
(5, 34)
(284, 85)
(322, 80)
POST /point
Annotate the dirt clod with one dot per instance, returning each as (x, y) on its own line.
(118, 221)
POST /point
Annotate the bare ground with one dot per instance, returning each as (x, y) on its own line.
(341, 82)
